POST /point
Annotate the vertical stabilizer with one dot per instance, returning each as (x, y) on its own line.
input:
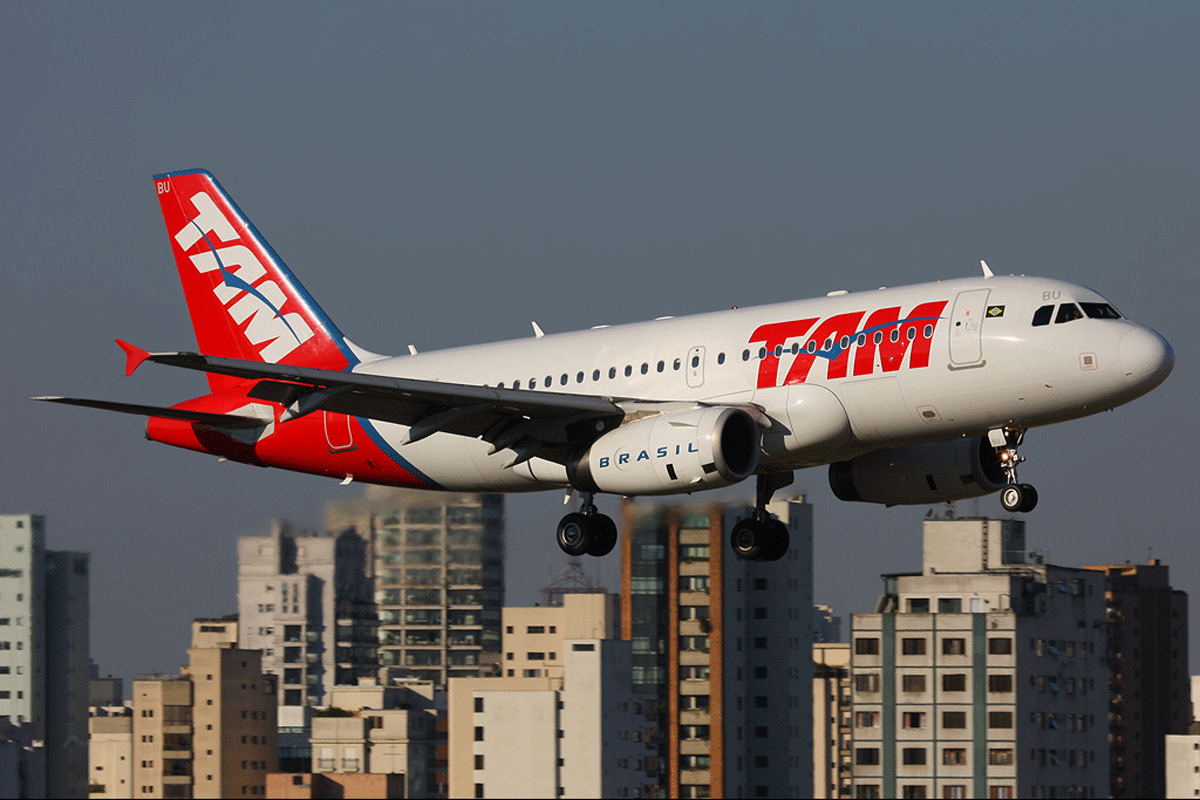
(243, 300)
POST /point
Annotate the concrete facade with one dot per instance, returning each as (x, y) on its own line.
(1148, 679)
(437, 564)
(1182, 777)
(982, 675)
(44, 648)
(306, 601)
(578, 735)
(110, 756)
(832, 730)
(722, 651)
(534, 636)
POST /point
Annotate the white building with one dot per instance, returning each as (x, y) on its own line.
(305, 601)
(567, 726)
(110, 754)
(44, 650)
(982, 675)
(1183, 765)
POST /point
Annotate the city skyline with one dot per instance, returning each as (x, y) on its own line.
(496, 165)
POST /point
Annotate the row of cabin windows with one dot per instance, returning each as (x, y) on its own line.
(677, 364)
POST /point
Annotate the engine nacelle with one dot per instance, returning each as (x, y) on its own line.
(920, 473)
(681, 451)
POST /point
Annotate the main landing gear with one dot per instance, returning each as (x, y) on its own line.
(587, 531)
(1015, 497)
(762, 538)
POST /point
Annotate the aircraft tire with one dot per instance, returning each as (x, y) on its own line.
(748, 540)
(575, 534)
(604, 535)
(1012, 497)
(1030, 499)
(778, 541)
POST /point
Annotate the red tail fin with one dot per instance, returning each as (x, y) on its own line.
(243, 300)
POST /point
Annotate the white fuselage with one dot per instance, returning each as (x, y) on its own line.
(832, 384)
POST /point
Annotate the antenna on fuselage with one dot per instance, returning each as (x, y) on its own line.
(987, 272)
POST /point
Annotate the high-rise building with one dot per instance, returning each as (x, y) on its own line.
(562, 721)
(1182, 765)
(722, 650)
(831, 720)
(827, 626)
(110, 754)
(982, 675)
(44, 648)
(439, 579)
(1148, 675)
(305, 600)
(211, 732)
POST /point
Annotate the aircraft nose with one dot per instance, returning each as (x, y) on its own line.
(1146, 357)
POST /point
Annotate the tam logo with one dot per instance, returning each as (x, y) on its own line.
(242, 290)
(884, 332)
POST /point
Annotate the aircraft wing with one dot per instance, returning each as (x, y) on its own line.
(528, 421)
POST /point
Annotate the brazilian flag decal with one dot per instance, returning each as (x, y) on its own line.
(995, 311)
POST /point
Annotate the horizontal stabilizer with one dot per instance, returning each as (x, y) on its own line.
(207, 418)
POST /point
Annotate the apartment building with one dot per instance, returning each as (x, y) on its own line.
(832, 731)
(306, 601)
(44, 649)
(211, 731)
(982, 675)
(722, 650)
(110, 754)
(437, 560)
(1148, 676)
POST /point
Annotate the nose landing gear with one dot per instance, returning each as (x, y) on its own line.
(1015, 497)
(587, 531)
(762, 538)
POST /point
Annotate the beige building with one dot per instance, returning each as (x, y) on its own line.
(982, 675)
(110, 756)
(534, 636)
(211, 732)
(831, 720)
(379, 730)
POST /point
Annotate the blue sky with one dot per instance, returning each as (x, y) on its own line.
(442, 173)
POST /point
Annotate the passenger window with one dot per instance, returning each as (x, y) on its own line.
(596, 375)
(579, 378)
(1068, 312)
(500, 385)
(533, 383)
(720, 358)
(564, 379)
(645, 368)
(516, 384)
(550, 381)
(612, 373)
(1042, 316)
(679, 363)
(661, 365)
(628, 370)
(695, 361)
(745, 355)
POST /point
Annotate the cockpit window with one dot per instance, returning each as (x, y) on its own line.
(1068, 312)
(1042, 316)
(1100, 311)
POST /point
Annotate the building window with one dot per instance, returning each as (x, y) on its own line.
(867, 791)
(912, 647)
(954, 682)
(912, 683)
(954, 791)
(913, 791)
(868, 682)
(1000, 683)
(954, 719)
(954, 647)
(478, 762)
(1000, 792)
(479, 790)
(1000, 756)
(866, 756)
(954, 756)
(1000, 647)
(866, 646)
(914, 720)
(1000, 719)
(913, 755)
(866, 719)
(479, 733)
(478, 705)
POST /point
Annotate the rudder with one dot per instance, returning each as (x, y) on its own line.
(243, 300)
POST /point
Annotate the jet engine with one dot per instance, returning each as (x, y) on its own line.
(920, 473)
(680, 451)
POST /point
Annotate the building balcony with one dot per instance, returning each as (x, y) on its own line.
(690, 716)
(177, 780)
(703, 776)
(176, 755)
(184, 728)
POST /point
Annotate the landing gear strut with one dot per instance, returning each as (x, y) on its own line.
(762, 538)
(587, 531)
(1015, 497)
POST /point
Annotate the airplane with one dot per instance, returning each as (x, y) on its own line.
(913, 395)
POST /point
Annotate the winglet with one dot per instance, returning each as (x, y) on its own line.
(134, 356)
(987, 272)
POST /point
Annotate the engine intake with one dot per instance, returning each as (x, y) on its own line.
(702, 448)
(919, 474)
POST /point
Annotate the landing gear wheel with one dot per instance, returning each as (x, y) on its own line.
(1029, 502)
(1017, 497)
(748, 540)
(778, 541)
(575, 534)
(604, 535)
